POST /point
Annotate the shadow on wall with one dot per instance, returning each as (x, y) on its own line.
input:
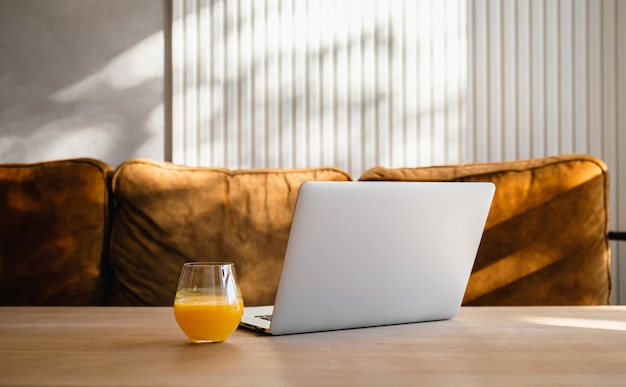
(81, 78)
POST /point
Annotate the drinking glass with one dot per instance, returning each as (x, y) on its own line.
(208, 305)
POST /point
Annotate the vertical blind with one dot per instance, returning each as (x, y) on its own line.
(359, 83)
(543, 78)
(296, 83)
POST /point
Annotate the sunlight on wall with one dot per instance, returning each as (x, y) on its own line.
(86, 102)
(129, 69)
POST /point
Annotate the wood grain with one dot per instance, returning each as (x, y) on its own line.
(93, 346)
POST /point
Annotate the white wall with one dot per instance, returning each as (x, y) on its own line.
(82, 78)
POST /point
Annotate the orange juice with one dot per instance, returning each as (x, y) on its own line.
(206, 318)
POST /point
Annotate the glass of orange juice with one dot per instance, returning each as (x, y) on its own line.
(208, 305)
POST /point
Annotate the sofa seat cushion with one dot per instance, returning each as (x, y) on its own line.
(545, 241)
(170, 214)
(53, 232)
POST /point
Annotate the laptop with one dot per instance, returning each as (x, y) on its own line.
(372, 253)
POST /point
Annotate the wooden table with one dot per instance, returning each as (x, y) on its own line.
(482, 346)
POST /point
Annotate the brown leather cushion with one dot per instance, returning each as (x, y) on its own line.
(169, 214)
(545, 241)
(53, 229)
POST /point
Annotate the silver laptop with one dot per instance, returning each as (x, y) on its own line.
(364, 254)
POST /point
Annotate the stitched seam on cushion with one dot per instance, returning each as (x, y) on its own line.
(170, 166)
(534, 168)
(285, 171)
(575, 158)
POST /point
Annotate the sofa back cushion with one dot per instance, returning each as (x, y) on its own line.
(53, 231)
(170, 214)
(545, 241)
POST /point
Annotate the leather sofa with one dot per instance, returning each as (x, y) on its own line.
(80, 232)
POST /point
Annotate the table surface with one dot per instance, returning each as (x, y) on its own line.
(482, 346)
